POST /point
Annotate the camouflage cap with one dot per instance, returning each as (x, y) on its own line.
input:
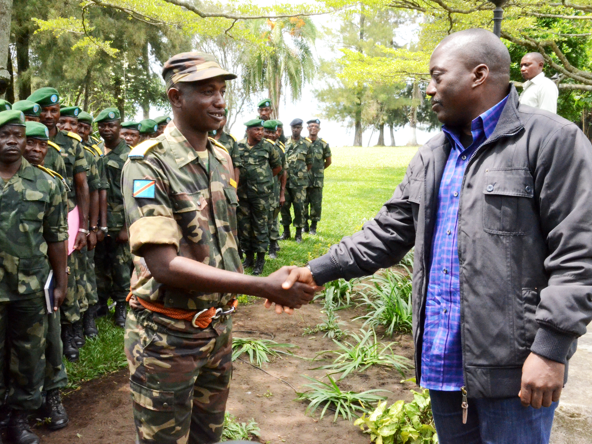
(28, 108)
(270, 125)
(108, 115)
(45, 96)
(37, 130)
(148, 126)
(131, 125)
(70, 111)
(192, 67)
(162, 120)
(85, 117)
(265, 103)
(12, 117)
(5, 105)
(317, 121)
(254, 123)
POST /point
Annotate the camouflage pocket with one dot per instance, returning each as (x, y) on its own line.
(32, 274)
(153, 400)
(33, 210)
(154, 412)
(232, 204)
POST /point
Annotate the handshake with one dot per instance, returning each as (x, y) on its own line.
(289, 288)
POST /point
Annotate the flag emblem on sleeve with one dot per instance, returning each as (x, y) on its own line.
(144, 189)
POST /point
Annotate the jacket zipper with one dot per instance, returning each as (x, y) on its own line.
(464, 405)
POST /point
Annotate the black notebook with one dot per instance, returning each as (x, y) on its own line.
(49, 289)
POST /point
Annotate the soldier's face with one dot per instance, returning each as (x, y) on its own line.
(270, 134)
(67, 123)
(131, 136)
(35, 151)
(296, 131)
(110, 131)
(32, 119)
(265, 113)
(84, 130)
(313, 129)
(160, 129)
(255, 135)
(50, 116)
(13, 140)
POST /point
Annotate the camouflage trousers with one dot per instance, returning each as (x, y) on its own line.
(179, 378)
(274, 231)
(295, 196)
(23, 328)
(87, 280)
(55, 371)
(253, 218)
(314, 201)
(70, 309)
(113, 263)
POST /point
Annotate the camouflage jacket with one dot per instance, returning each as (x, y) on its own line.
(98, 155)
(170, 198)
(92, 174)
(54, 161)
(32, 214)
(232, 146)
(113, 163)
(298, 157)
(277, 185)
(320, 152)
(257, 163)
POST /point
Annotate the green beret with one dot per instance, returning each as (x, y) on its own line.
(131, 125)
(45, 96)
(225, 111)
(28, 108)
(5, 105)
(70, 111)
(162, 119)
(270, 125)
(255, 123)
(280, 123)
(37, 130)
(12, 117)
(108, 115)
(264, 103)
(85, 117)
(148, 126)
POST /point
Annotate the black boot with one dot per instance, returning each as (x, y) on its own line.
(4, 416)
(101, 309)
(79, 340)
(70, 350)
(54, 410)
(249, 259)
(306, 226)
(273, 249)
(120, 313)
(258, 268)
(88, 322)
(286, 234)
(313, 227)
(18, 429)
(298, 236)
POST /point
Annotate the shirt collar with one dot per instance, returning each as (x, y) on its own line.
(538, 78)
(182, 150)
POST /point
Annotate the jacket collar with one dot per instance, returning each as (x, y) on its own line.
(120, 148)
(509, 122)
(182, 151)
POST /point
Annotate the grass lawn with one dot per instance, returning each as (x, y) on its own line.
(358, 182)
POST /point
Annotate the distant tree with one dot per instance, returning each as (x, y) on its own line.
(5, 19)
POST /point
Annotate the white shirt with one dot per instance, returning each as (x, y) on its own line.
(540, 92)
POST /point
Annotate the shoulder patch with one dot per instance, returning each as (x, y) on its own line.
(52, 173)
(270, 141)
(282, 146)
(74, 136)
(307, 139)
(232, 137)
(217, 144)
(140, 150)
(98, 150)
(144, 189)
(90, 150)
(323, 140)
(52, 144)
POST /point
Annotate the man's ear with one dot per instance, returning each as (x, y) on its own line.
(480, 74)
(175, 97)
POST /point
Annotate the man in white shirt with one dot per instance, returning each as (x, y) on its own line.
(538, 91)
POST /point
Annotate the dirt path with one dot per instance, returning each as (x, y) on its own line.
(100, 412)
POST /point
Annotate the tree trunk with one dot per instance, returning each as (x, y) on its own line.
(413, 115)
(10, 91)
(358, 127)
(392, 132)
(5, 19)
(145, 100)
(381, 135)
(87, 83)
(23, 36)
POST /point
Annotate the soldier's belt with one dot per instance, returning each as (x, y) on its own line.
(199, 319)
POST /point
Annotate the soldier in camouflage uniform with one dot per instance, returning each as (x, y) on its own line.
(321, 160)
(113, 258)
(299, 161)
(180, 204)
(229, 142)
(71, 151)
(33, 231)
(260, 162)
(279, 187)
(130, 132)
(148, 129)
(31, 110)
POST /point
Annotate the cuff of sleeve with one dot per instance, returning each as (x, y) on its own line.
(552, 345)
(154, 230)
(324, 270)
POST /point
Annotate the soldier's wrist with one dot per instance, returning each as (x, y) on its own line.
(104, 229)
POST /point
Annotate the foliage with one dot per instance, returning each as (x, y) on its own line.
(365, 352)
(407, 261)
(402, 422)
(338, 293)
(331, 327)
(259, 350)
(345, 404)
(236, 431)
(388, 301)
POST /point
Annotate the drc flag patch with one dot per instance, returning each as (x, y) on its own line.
(144, 189)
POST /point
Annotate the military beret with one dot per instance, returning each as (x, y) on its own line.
(162, 119)
(131, 125)
(148, 126)
(192, 67)
(37, 130)
(296, 122)
(108, 115)
(264, 103)
(45, 96)
(5, 105)
(85, 117)
(280, 123)
(254, 123)
(317, 121)
(225, 111)
(270, 125)
(28, 108)
(12, 117)
(70, 111)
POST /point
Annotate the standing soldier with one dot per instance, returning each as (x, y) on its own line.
(281, 135)
(31, 110)
(229, 143)
(71, 151)
(260, 163)
(321, 159)
(162, 123)
(270, 131)
(130, 132)
(264, 109)
(148, 128)
(180, 204)
(299, 162)
(113, 259)
(33, 232)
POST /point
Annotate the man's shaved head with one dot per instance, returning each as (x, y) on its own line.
(532, 65)
(536, 56)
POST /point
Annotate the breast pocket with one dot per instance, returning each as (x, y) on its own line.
(32, 211)
(508, 201)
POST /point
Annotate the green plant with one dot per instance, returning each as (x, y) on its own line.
(402, 423)
(345, 404)
(331, 327)
(235, 431)
(388, 301)
(365, 352)
(407, 261)
(259, 350)
(338, 293)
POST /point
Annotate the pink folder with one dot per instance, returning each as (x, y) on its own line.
(73, 226)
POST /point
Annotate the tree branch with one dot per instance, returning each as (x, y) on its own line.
(134, 14)
(567, 17)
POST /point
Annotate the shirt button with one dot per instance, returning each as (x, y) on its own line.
(455, 194)
(445, 271)
(445, 311)
(448, 232)
(490, 188)
(528, 189)
(464, 157)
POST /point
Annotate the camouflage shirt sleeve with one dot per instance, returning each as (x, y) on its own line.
(80, 164)
(92, 174)
(309, 153)
(326, 151)
(104, 184)
(274, 156)
(235, 155)
(59, 166)
(55, 221)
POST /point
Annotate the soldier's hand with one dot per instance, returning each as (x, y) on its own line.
(91, 241)
(297, 274)
(100, 236)
(59, 298)
(282, 200)
(122, 237)
(80, 241)
(293, 296)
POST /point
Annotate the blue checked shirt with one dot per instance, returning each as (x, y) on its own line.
(441, 359)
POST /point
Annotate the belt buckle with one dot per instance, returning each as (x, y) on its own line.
(197, 315)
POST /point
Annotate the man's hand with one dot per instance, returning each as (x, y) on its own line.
(294, 295)
(297, 275)
(59, 298)
(100, 236)
(91, 241)
(282, 200)
(122, 237)
(80, 241)
(542, 381)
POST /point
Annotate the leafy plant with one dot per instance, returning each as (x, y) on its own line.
(365, 352)
(338, 293)
(345, 404)
(388, 301)
(259, 350)
(407, 261)
(331, 327)
(236, 431)
(402, 423)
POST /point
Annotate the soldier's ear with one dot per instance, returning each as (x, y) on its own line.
(175, 97)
